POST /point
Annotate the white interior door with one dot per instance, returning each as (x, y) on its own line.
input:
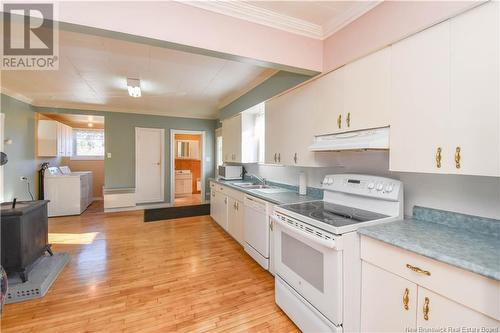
(149, 164)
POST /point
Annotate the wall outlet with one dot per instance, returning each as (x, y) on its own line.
(109, 155)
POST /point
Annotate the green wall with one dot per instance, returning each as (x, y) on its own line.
(276, 84)
(120, 142)
(20, 128)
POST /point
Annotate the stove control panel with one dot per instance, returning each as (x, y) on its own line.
(371, 186)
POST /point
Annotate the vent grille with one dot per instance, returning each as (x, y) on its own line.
(316, 232)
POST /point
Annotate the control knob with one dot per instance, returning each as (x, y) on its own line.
(380, 187)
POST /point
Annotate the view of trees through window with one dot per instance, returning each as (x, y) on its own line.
(89, 142)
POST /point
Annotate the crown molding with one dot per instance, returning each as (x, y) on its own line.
(340, 22)
(248, 12)
(255, 14)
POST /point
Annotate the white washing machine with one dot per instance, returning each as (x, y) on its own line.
(70, 193)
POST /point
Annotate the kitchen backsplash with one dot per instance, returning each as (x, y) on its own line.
(464, 194)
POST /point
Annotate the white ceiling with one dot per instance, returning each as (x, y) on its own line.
(316, 19)
(93, 72)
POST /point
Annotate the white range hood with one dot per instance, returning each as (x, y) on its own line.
(377, 138)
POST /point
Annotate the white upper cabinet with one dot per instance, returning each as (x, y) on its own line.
(445, 97)
(330, 100)
(289, 126)
(241, 136)
(54, 139)
(474, 125)
(231, 139)
(420, 100)
(367, 84)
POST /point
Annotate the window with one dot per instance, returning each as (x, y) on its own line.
(259, 132)
(218, 149)
(88, 144)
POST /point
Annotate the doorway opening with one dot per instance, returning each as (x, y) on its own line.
(186, 175)
(68, 146)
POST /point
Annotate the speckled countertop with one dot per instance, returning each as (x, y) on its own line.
(288, 197)
(468, 242)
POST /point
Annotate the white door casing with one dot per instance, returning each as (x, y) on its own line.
(173, 132)
(149, 165)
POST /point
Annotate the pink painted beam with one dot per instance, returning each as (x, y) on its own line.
(179, 23)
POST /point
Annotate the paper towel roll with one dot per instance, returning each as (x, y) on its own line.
(302, 184)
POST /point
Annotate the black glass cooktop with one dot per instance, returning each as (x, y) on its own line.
(333, 214)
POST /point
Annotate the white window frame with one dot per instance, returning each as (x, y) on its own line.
(75, 157)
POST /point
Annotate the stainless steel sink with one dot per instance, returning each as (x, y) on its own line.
(251, 186)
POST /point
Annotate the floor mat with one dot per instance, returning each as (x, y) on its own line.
(42, 275)
(169, 213)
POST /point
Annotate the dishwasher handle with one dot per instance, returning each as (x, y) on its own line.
(255, 203)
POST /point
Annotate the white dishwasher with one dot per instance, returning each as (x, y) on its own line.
(257, 230)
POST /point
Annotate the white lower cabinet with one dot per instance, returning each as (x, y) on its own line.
(226, 208)
(235, 219)
(388, 302)
(434, 310)
(218, 208)
(405, 292)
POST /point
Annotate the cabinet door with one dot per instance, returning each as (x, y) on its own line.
(435, 311)
(289, 126)
(366, 92)
(330, 103)
(475, 92)
(47, 138)
(231, 139)
(69, 141)
(420, 103)
(275, 131)
(213, 204)
(235, 219)
(388, 302)
(61, 142)
(221, 201)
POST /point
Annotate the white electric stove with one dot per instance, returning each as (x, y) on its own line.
(317, 263)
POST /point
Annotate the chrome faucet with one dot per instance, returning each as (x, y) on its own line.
(260, 179)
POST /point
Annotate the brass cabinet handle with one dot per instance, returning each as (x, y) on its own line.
(237, 205)
(348, 119)
(438, 157)
(295, 158)
(457, 157)
(339, 121)
(279, 157)
(225, 200)
(418, 270)
(271, 225)
(275, 157)
(406, 299)
(426, 309)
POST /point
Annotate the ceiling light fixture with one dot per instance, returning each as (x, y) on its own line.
(90, 125)
(134, 87)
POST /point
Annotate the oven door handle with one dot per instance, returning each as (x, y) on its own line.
(331, 244)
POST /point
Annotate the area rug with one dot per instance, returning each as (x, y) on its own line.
(41, 275)
(169, 213)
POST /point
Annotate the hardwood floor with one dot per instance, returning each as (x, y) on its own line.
(183, 275)
(194, 199)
